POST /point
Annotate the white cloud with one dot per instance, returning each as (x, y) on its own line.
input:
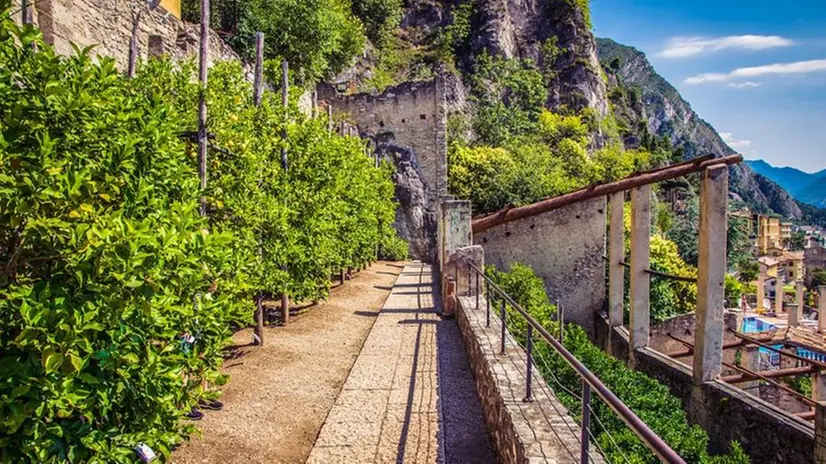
(744, 85)
(799, 67)
(738, 145)
(683, 47)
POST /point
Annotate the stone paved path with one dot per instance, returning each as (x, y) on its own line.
(410, 397)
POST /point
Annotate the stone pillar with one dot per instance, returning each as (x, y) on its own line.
(778, 296)
(616, 254)
(820, 433)
(751, 361)
(640, 260)
(761, 288)
(819, 386)
(708, 335)
(798, 298)
(821, 309)
(793, 319)
(456, 232)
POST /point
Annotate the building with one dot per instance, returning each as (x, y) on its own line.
(814, 257)
(785, 232)
(172, 6)
(769, 233)
(792, 263)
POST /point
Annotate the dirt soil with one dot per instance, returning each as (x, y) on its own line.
(279, 395)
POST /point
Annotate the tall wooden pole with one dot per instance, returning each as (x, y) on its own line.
(330, 117)
(258, 93)
(202, 107)
(258, 85)
(26, 11)
(133, 47)
(285, 101)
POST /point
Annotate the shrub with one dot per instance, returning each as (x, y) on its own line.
(106, 263)
(107, 266)
(380, 17)
(649, 399)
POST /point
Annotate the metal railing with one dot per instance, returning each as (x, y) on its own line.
(590, 383)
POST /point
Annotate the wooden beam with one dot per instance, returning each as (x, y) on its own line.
(671, 172)
(788, 372)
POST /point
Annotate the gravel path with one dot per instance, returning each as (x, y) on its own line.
(280, 394)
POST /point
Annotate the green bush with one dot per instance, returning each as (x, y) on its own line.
(107, 265)
(650, 400)
(380, 17)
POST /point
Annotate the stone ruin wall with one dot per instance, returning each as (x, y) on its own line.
(107, 24)
(408, 125)
(565, 247)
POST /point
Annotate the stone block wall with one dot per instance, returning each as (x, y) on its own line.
(565, 247)
(408, 124)
(107, 24)
(539, 431)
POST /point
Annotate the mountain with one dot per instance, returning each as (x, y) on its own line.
(803, 186)
(646, 105)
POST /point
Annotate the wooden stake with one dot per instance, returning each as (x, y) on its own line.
(258, 85)
(330, 117)
(133, 47)
(285, 308)
(26, 11)
(202, 107)
(285, 101)
(259, 320)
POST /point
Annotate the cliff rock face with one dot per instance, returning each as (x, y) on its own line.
(529, 29)
(647, 104)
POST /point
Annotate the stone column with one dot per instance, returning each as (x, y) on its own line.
(793, 319)
(640, 260)
(798, 297)
(456, 233)
(778, 296)
(819, 386)
(761, 288)
(616, 254)
(821, 309)
(708, 335)
(820, 433)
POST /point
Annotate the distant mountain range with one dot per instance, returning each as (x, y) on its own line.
(803, 186)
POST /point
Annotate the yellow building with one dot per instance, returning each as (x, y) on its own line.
(172, 6)
(769, 233)
(785, 232)
(792, 262)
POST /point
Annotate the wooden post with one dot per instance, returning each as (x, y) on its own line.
(711, 275)
(285, 308)
(640, 260)
(258, 83)
(285, 101)
(616, 252)
(202, 107)
(133, 46)
(259, 320)
(341, 275)
(26, 11)
(314, 110)
(330, 117)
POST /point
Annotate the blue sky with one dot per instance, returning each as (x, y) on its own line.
(756, 70)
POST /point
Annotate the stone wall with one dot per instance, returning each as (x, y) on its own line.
(565, 247)
(407, 119)
(539, 431)
(107, 24)
(726, 413)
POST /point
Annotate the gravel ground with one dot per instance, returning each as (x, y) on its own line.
(279, 394)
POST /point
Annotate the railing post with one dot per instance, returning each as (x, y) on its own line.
(711, 273)
(487, 303)
(503, 315)
(586, 423)
(640, 260)
(529, 374)
(477, 291)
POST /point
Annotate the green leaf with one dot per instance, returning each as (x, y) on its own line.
(51, 360)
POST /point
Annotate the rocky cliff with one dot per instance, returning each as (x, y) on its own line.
(645, 104)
